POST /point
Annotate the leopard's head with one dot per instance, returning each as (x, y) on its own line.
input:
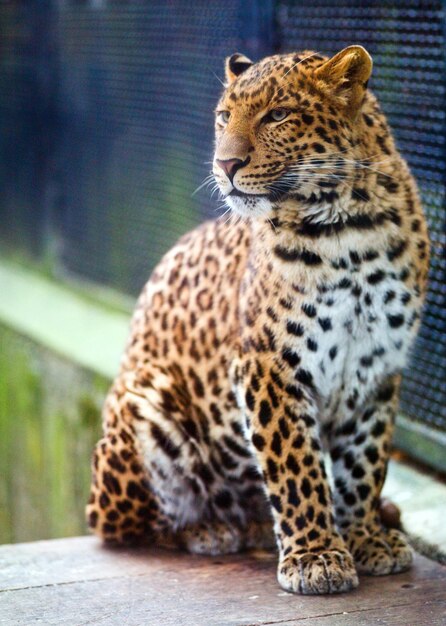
(286, 128)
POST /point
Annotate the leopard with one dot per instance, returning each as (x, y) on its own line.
(256, 398)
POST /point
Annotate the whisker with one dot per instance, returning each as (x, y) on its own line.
(207, 181)
(214, 190)
(315, 163)
(298, 62)
(363, 161)
(219, 79)
(229, 218)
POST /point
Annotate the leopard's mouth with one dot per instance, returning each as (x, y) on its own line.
(275, 189)
(236, 193)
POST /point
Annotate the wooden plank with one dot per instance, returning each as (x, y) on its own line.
(68, 560)
(416, 614)
(77, 582)
(203, 598)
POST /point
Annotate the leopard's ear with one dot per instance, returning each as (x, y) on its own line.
(236, 65)
(346, 74)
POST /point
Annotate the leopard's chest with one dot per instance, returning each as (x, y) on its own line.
(358, 333)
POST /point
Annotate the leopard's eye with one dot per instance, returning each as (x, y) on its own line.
(277, 115)
(223, 117)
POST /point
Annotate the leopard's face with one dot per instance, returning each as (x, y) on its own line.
(285, 128)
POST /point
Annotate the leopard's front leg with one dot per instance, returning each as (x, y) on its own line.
(360, 451)
(313, 558)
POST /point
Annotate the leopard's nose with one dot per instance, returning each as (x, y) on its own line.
(231, 166)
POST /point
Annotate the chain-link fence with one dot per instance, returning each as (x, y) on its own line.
(106, 128)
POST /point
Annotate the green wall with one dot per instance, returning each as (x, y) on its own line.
(49, 422)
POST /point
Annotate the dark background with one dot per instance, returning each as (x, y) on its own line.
(106, 129)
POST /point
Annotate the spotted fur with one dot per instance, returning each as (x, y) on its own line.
(261, 342)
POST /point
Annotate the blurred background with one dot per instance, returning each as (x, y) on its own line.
(106, 130)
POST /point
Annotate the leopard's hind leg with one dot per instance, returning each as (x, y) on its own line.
(122, 507)
(151, 478)
(159, 473)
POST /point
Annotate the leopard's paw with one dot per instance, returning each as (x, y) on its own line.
(260, 536)
(210, 539)
(386, 552)
(401, 550)
(330, 571)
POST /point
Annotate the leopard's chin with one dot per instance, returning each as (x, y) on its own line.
(249, 205)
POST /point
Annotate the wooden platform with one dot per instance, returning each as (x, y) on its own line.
(77, 582)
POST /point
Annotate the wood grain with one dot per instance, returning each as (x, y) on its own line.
(76, 582)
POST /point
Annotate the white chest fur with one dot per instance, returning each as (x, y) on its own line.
(358, 337)
(357, 334)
